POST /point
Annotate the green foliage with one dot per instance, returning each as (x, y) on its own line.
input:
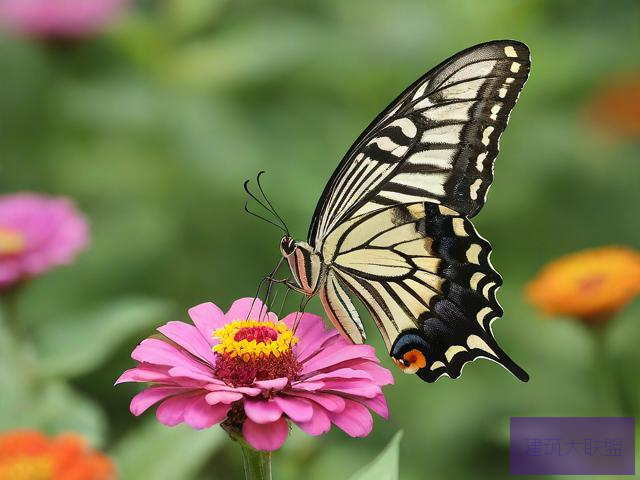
(153, 127)
(77, 345)
(155, 451)
(385, 466)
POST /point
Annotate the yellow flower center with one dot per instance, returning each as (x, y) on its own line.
(11, 242)
(27, 468)
(249, 339)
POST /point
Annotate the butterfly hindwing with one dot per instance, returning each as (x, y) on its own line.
(340, 308)
(436, 142)
(424, 274)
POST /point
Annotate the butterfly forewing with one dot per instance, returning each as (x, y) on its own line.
(392, 225)
(436, 142)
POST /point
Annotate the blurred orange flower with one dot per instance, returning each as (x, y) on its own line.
(591, 284)
(30, 455)
(616, 107)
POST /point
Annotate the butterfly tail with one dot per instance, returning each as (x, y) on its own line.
(507, 362)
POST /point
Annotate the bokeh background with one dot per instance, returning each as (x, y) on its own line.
(152, 125)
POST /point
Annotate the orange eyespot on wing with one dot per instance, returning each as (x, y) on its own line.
(411, 362)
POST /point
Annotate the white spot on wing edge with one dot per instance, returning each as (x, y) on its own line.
(474, 341)
(451, 351)
(486, 134)
(487, 288)
(446, 210)
(515, 67)
(502, 92)
(494, 111)
(482, 314)
(436, 365)
(458, 227)
(473, 189)
(475, 280)
(509, 51)
(480, 161)
(473, 253)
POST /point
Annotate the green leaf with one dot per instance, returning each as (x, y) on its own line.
(187, 16)
(166, 453)
(51, 407)
(76, 346)
(61, 409)
(385, 466)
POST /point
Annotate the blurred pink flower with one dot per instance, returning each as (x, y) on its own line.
(37, 233)
(255, 375)
(57, 18)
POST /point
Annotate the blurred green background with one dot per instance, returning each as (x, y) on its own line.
(153, 126)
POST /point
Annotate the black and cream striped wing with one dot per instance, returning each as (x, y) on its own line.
(424, 274)
(436, 142)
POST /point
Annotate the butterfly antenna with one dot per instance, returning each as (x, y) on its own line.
(282, 227)
(246, 209)
(273, 210)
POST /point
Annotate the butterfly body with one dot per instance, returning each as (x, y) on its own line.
(393, 228)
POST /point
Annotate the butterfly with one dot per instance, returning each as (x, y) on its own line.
(393, 228)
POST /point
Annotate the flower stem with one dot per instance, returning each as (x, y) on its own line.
(609, 375)
(10, 311)
(257, 465)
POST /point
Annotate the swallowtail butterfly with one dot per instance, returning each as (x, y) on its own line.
(393, 224)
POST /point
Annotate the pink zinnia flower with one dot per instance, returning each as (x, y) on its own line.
(37, 233)
(254, 373)
(57, 18)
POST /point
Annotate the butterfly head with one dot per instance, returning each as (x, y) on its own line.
(408, 352)
(287, 246)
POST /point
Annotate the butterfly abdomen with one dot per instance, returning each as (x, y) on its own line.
(306, 267)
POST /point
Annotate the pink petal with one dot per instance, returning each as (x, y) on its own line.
(340, 373)
(177, 373)
(262, 411)
(266, 437)
(144, 373)
(297, 409)
(318, 424)
(171, 411)
(249, 391)
(355, 420)
(189, 338)
(199, 414)
(313, 336)
(308, 386)
(378, 373)
(153, 350)
(214, 398)
(276, 384)
(309, 325)
(249, 308)
(378, 404)
(207, 318)
(336, 354)
(328, 401)
(145, 399)
(353, 387)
